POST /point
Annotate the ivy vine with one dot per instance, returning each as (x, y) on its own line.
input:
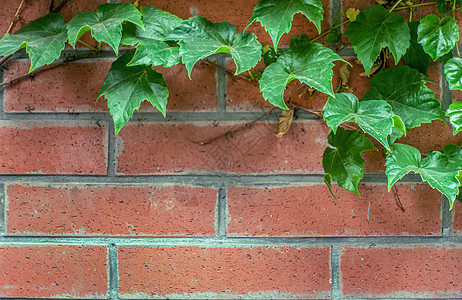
(398, 98)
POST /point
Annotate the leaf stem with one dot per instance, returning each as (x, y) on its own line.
(415, 5)
(335, 27)
(454, 9)
(394, 6)
(16, 17)
(85, 44)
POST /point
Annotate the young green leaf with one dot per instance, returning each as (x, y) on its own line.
(405, 90)
(150, 49)
(310, 63)
(276, 15)
(453, 71)
(200, 38)
(375, 117)
(344, 163)
(434, 169)
(105, 24)
(415, 56)
(454, 113)
(125, 87)
(436, 36)
(374, 29)
(43, 38)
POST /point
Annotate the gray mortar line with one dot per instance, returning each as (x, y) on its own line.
(216, 242)
(335, 272)
(2, 209)
(221, 83)
(335, 12)
(113, 272)
(111, 150)
(446, 217)
(221, 214)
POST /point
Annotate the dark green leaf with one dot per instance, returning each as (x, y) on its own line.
(453, 71)
(43, 38)
(200, 38)
(443, 6)
(445, 58)
(454, 113)
(344, 162)
(333, 37)
(310, 64)
(276, 15)
(105, 24)
(405, 90)
(454, 155)
(434, 169)
(374, 117)
(415, 56)
(151, 50)
(126, 87)
(436, 36)
(375, 29)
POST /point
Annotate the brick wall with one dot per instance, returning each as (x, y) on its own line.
(152, 213)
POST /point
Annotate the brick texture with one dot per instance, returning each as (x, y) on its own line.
(90, 210)
(60, 271)
(53, 148)
(186, 270)
(401, 272)
(311, 211)
(457, 218)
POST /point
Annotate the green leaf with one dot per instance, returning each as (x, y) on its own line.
(43, 38)
(454, 113)
(453, 71)
(434, 169)
(436, 36)
(310, 64)
(454, 155)
(374, 29)
(200, 38)
(374, 117)
(415, 56)
(276, 15)
(328, 182)
(344, 162)
(150, 49)
(405, 90)
(333, 37)
(125, 87)
(399, 124)
(442, 6)
(105, 24)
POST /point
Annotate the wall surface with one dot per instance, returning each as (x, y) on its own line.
(152, 213)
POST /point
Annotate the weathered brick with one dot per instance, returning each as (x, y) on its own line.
(217, 271)
(457, 218)
(401, 272)
(75, 88)
(98, 210)
(52, 148)
(312, 211)
(53, 271)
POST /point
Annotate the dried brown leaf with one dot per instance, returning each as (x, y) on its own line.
(285, 120)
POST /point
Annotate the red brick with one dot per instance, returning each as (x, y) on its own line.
(52, 148)
(238, 13)
(59, 271)
(312, 211)
(457, 218)
(218, 271)
(175, 148)
(97, 210)
(75, 88)
(401, 272)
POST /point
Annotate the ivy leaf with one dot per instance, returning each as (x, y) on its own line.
(454, 113)
(105, 24)
(344, 163)
(454, 155)
(434, 169)
(200, 38)
(442, 6)
(125, 87)
(310, 63)
(43, 38)
(436, 36)
(375, 117)
(415, 56)
(374, 29)
(453, 71)
(276, 15)
(405, 90)
(150, 49)
(333, 37)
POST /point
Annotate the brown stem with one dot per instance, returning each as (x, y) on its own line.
(233, 131)
(229, 72)
(60, 5)
(43, 69)
(51, 6)
(15, 18)
(397, 199)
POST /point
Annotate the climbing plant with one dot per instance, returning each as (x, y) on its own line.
(397, 101)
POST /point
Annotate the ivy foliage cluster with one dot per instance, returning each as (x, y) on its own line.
(398, 98)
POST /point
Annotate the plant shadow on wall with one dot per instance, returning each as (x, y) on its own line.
(397, 101)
